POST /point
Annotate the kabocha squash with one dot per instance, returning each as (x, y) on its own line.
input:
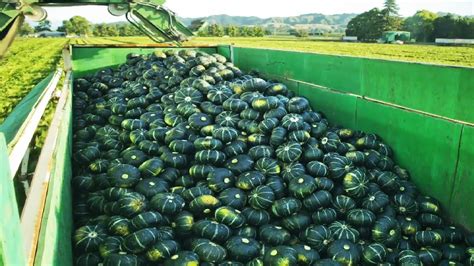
(180, 158)
(229, 216)
(242, 249)
(274, 235)
(208, 251)
(88, 238)
(167, 203)
(280, 255)
(211, 230)
(345, 252)
(162, 250)
(317, 236)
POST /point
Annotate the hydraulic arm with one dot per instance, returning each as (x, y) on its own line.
(149, 16)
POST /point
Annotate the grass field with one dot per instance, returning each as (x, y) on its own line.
(462, 56)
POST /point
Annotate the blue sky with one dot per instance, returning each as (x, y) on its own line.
(268, 8)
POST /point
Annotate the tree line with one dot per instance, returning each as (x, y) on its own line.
(215, 30)
(80, 26)
(425, 26)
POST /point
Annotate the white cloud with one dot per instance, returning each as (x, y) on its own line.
(266, 8)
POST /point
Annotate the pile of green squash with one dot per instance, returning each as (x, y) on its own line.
(180, 158)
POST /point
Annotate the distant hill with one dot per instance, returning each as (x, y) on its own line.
(313, 21)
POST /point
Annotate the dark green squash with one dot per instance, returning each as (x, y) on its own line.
(292, 122)
(208, 251)
(146, 220)
(175, 159)
(355, 183)
(261, 197)
(430, 220)
(162, 250)
(235, 148)
(229, 216)
(339, 166)
(194, 192)
(212, 230)
(324, 216)
(280, 256)
(388, 182)
(428, 238)
(210, 157)
(256, 217)
(429, 205)
(360, 217)
(386, 231)
(119, 226)
(199, 120)
(204, 205)
(344, 231)
(274, 235)
(132, 124)
(151, 186)
(278, 136)
(183, 257)
(286, 206)
(302, 186)
(296, 222)
(319, 199)
(429, 256)
(88, 238)
(200, 171)
(183, 223)
(132, 204)
(208, 143)
(374, 254)
(122, 259)
(250, 180)
(234, 105)
(305, 254)
(227, 119)
(267, 166)
(239, 164)
(317, 169)
(110, 245)
(343, 204)
(292, 171)
(345, 252)
(408, 257)
(289, 152)
(233, 197)
(375, 201)
(317, 236)
(88, 259)
(220, 179)
(405, 205)
(242, 249)
(167, 203)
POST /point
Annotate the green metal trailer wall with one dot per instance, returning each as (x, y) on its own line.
(425, 112)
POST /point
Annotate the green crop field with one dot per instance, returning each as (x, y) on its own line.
(30, 60)
(462, 56)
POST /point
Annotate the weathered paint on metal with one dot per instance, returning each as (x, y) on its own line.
(463, 191)
(32, 213)
(55, 245)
